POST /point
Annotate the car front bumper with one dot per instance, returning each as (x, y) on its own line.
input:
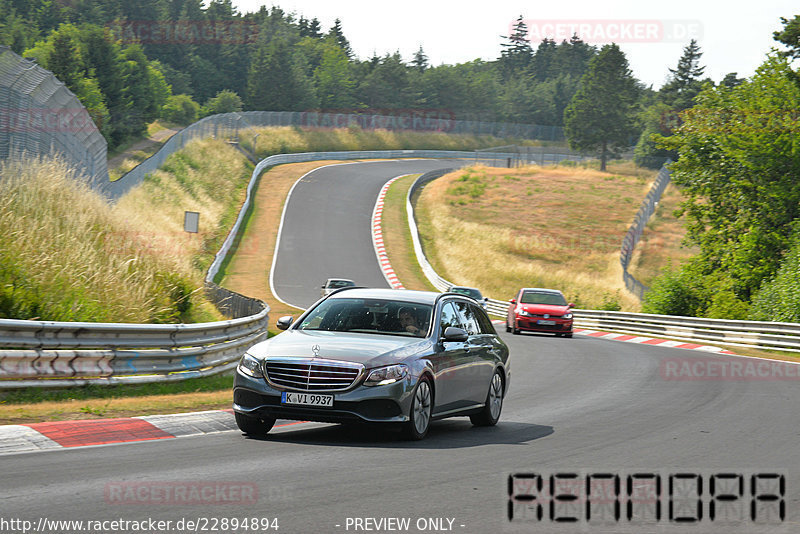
(531, 324)
(390, 403)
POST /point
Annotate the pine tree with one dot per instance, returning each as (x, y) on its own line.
(684, 82)
(337, 33)
(789, 36)
(543, 59)
(277, 81)
(420, 60)
(600, 116)
(517, 54)
(64, 61)
(315, 29)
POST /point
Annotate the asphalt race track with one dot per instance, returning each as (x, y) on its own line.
(326, 228)
(581, 405)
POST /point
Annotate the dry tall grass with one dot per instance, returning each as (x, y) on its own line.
(501, 229)
(66, 254)
(292, 139)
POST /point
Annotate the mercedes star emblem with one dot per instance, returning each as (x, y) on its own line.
(315, 350)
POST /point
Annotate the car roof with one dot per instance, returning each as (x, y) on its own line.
(339, 280)
(401, 295)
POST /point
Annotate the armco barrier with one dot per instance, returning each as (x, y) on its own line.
(753, 334)
(83, 353)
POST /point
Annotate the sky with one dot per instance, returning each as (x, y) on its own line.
(734, 35)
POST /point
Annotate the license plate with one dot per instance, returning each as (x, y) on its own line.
(550, 323)
(306, 399)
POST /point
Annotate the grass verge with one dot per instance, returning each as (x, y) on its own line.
(291, 139)
(95, 402)
(397, 236)
(558, 227)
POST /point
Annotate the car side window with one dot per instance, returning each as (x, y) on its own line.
(483, 321)
(449, 317)
(468, 318)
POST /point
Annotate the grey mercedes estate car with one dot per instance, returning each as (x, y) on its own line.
(378, 356)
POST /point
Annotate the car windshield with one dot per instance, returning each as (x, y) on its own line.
(370, 316)
(340, 283)
(468, 291)
(540, 297)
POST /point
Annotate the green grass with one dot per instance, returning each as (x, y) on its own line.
(193, 385)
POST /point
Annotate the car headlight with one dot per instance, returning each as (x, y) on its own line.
(567, 316)
(523, 313)
(250, 365)
(386, 375)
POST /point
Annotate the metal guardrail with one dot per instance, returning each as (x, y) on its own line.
(228, 126)
(752, 334)
(106, 353)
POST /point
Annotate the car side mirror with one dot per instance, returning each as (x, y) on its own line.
(570, 305)
(485, 299)
(452, 333)
(513, 301)
(284, 322)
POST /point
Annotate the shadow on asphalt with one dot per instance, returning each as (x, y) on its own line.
(446, 434)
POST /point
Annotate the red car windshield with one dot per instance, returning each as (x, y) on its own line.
(538, 297)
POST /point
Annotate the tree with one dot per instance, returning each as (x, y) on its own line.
(225, 102)
(64, 61)
(277, 79)
(571, 58)
(543, 59)
(180, 109)
(388, 85)
(738, 168)
(516, 57)
(731, 80)
(789, 36)
(684, 83)
(420, 60)
(600, 115)
(337, 33)
(334, 83)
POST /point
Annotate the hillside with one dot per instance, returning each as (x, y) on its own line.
(67, 255)
(501, 229)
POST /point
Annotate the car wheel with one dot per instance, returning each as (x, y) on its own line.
(508, 328)
(568, 335)
(490, 414)
(254, 426)
(514, 329)
(421, 410)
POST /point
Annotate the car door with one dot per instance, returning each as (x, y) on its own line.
(479, 358)
(449, 360)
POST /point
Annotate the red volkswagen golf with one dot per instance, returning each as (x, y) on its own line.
(540, 310)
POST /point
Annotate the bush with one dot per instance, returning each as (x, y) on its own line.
(779, 299)
(726, 305)
(180, 109)
(226, 101)
(675, 292)
(611, 302)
